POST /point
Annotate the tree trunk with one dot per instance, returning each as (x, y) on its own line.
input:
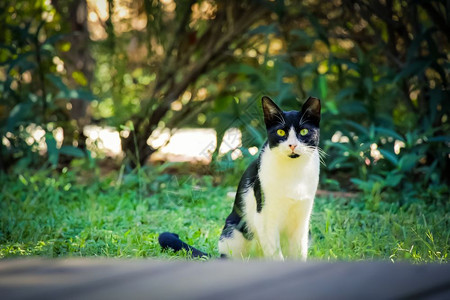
(230, 24)
(78, 58)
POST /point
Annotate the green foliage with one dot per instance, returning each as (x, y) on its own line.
(380, 68)
(348, 230)
(76, 214)
(384, 88)
(33, 93)
(374, 102)
(118, 216)
(380, 148)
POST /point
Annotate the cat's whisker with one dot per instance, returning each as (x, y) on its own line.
(322, 161)
(301, 121)
(281, 119)
(322, 154)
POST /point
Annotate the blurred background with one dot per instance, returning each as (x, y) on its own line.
(104, 87)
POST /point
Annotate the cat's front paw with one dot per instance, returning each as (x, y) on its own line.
(277, 256)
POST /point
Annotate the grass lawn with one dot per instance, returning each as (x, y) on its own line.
(83, 214)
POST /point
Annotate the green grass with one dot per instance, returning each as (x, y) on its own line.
(78, 214)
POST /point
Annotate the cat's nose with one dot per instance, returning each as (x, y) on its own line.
(292, 147)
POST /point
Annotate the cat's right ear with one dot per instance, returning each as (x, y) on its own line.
(311, 110)
(272, 113)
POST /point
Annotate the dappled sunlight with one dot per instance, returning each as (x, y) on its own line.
(187, 144)
(398, 145)
(103, 139)
(36, 135)
(181, 145)
(338, 137)
(375, 153)
(98, 15)
(195, 144)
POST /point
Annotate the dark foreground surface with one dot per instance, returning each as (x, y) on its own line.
(148, 279)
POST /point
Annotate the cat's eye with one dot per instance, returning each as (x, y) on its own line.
(281, 132)
(304, 131)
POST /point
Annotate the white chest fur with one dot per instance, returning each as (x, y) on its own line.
(288, 186)
(284, 178)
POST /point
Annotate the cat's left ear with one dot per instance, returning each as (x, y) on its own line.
(311, 109)
(272, 113)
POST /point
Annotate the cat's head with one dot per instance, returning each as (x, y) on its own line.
(292, 133)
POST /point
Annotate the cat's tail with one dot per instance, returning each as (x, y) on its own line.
(169, 240)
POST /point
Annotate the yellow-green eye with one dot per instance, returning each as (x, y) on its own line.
(281, 132)
(304, 131)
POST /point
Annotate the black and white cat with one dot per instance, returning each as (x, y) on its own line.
(275, 196)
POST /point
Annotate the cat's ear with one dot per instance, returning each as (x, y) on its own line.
(311, 110)
(272, 113)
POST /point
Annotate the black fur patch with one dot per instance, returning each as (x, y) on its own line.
(234, 221)
(258, 195)
(307, 118)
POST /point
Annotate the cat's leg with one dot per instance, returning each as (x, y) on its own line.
(298, 234)
(298, 242)
(268, 234)
(233, 245)
(270, 245)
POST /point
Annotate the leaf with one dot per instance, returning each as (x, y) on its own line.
(412, 69)
(372, 132)
(19, 113)
(255, 134)
(393, 179)
(343, 146)
(346, 93)
(323, 89)
(55, 38)
(75, 94)
(331, 107)
(79, 78)
(442, 72)
(303, 37)
(408, 162)
(436, 97)
(361, 184)
(266, 29)
(350, 65)
(337, 163)
(72, 151)
(389, 156)
(52, 149)
(389, 132)
(320, 30)
(368, 84)
(413, 49)
(307, 69)
(242, 69)
(64, 47)
(57, 82)
(7, 47)
(440, 138)
(358, 127)
(20, 61)
(352, 108)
